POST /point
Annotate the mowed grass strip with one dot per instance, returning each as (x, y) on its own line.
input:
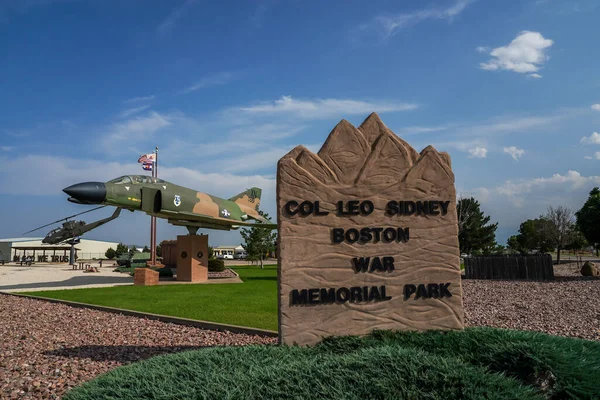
(477, 363)
(252, 303)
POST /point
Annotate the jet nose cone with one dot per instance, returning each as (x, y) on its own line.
(87, 192)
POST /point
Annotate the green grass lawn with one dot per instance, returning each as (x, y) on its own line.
(252, 303)
(477, 363)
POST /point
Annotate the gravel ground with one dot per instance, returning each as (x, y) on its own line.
(48, 348)
(568, 306)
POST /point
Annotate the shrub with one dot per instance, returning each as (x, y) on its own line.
(215, 265)
(470, 364)
(164, 272)
(110, 253)
(124, 270)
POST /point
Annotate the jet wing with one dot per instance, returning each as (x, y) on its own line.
(208, 221)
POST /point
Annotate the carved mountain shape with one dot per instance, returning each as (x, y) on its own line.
(345, 151)
(428, 172)
(373, 127)
(378, 170)
(316, 166)
(446, 157)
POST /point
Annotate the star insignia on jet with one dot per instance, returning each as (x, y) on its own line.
(225, 213)
(177, 200)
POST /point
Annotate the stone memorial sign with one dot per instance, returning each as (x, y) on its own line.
(368, 237)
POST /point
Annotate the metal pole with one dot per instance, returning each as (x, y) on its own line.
(153, 222)
(72, 254)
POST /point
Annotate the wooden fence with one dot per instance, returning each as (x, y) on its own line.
(511, 267)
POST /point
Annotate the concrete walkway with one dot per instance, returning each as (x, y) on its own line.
(48, 276)
(42, 276)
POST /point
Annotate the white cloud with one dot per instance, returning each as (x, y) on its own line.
(6, 148)
(524, 55)
(596, 107)
(389, 25)
(254, 160)
(597, 155)
(138, 99)
(68, 171)
(593, 139)
(421, 129)
(482, 49)
(509, 124)
(461, 145)
(512, 202)
(132, 111)
(174, 15)
(265, 132)
(537, 76)
(588, 158)
(479, 152)
(257, 160)
(218, 79)
(497, 125)
(514, 152)
(323, 108)
(572, 179)
(122, 133)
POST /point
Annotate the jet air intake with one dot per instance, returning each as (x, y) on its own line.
(86, 193)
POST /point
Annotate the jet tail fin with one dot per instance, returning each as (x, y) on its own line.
(248, 199)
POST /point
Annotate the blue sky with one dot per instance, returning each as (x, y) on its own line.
(510, 90)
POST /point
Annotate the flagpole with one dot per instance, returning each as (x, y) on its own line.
(153, 224)
(152, 229)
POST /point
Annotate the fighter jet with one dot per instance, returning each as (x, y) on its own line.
(177, 204)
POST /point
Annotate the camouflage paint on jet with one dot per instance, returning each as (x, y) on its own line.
(179, 205)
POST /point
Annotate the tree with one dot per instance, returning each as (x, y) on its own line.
(473, 231)
(211, 252)
(158, 250)
(559, 230)
(464, 211)
(258, 241)
(577, 242)
(110, 253)
(497, 249)
(132, 251)
(532, 236)
(146, 249)
(513, 244)
(121, 249)
(588, 219)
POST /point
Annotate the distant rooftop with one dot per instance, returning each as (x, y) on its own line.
(21, 239)
(33, 239)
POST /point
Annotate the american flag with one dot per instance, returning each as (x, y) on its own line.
(146, 158)
(147, 166)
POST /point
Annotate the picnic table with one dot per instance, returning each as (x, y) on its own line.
(81, 265)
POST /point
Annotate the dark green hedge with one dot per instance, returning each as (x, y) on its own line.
(477, 363)
(215, 265)
(164, 272)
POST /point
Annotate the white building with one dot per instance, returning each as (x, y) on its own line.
(220, 251)
(14, 249)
